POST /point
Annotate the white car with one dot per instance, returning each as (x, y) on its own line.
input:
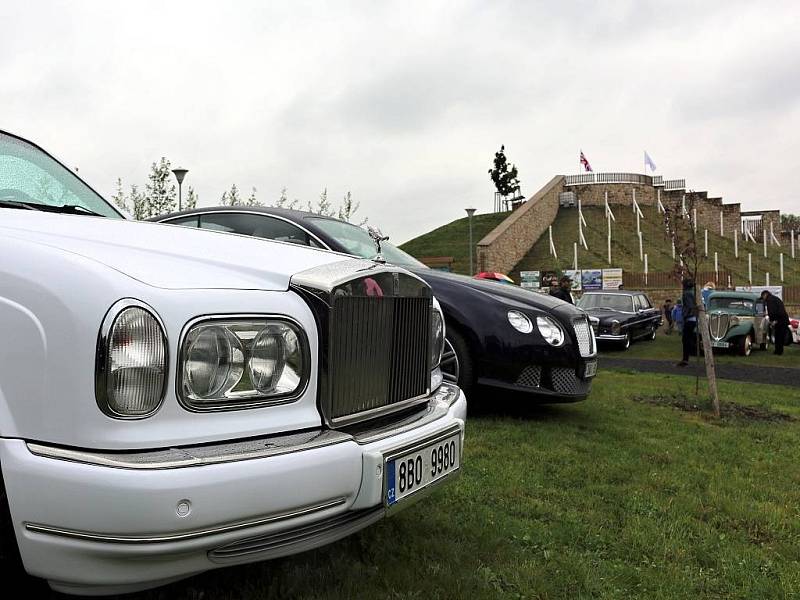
(176, 400)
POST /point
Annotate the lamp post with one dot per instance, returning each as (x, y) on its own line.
(470, 212)
(179, 175)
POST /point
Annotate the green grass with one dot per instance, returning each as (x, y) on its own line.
(625, 248)
(668, 347)
(453, 239)
(607, 498)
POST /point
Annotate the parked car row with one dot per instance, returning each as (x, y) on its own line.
(176, 399)
(622, 316)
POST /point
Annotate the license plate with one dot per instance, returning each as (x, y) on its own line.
(410, 472)
(720, 344)
(590, 369)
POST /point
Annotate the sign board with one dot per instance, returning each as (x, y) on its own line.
(529, 279)
(612, 279)
(775, 290)
(592, 279)
(575, 276)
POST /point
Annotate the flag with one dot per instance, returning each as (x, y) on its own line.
(585, 162)
(648, 162)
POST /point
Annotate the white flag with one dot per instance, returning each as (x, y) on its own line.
(648, 162)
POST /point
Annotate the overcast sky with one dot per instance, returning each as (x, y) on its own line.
(404, 104)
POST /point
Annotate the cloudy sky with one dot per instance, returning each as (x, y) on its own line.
(405, 103)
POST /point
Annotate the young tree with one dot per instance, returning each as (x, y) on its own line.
(159, 192)
(140, 207)
(506, 181)
(119, 199)
(323, 205)
(191, 199)
(349, 208)
(682, 231)
(231, 197)
(251, 199)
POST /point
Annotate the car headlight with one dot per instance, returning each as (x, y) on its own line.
(241, 363)
(520, 321)
(615, 327)
(437, 337)
(551, 331)
(131, 363)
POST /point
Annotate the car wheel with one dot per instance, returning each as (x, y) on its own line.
(449, 364)
(745, 345)
(463, 360)
(627, 341)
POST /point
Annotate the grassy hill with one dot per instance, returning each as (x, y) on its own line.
(625, 248)
(453, 239)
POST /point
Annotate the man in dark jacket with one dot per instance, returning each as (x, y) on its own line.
(778, 317)
(689, 334)
(562, 291)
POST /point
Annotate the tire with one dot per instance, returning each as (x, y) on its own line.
(627, 342)
(745, 345)
(465, 363)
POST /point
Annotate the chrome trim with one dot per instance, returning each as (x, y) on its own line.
(608, 336)
(229, 405)
(329, 276)
(196, 456)
(323, 245)
(180, 537)
(381, 411)
(101, 355)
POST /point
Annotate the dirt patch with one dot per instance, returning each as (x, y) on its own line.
(728, 410)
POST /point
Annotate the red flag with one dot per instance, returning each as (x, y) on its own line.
(585, 162)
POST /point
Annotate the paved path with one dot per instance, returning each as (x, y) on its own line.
(736, 372)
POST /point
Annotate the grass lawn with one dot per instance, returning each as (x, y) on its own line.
(668, 347)
(607, 498)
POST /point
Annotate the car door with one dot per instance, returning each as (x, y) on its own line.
(651, 314)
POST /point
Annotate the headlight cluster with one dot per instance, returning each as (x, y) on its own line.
(551, 331)
(615, 327)
(131, 371)
(437, 337)
(224, 363)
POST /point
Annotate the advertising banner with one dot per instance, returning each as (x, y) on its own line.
(529, 279)
(592, 279)
(612, 279)
(549, 279)
(575, 276)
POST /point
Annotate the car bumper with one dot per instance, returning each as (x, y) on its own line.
(103, 523)
(548, 383)
(609, 337)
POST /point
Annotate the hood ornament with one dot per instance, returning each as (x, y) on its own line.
(377, 237)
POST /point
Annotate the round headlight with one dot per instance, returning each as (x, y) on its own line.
(519, 321)
(550, 330)
(214, 362)
(131, 362)
(268, 356)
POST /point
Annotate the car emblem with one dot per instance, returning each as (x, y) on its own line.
(377, 237)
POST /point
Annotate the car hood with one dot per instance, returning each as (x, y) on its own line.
(500, 291)
(167, 256)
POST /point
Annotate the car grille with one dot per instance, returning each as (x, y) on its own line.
(378, 353)
(584, 335)
(718, 324)
(566, 381)
(531, 376)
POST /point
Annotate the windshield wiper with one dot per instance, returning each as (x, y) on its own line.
(74, 209)
(18, 204)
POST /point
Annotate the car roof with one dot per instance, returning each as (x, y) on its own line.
(734, 294)
(620, 292)
(265, 210)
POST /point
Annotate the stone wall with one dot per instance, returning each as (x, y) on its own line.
(507, 243)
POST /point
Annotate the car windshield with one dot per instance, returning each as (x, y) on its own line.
(31, 178)
(737, 306)
(357, 241)
(613, 301)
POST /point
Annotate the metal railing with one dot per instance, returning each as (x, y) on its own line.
(674, 184)
(591, 178)
(658, 180)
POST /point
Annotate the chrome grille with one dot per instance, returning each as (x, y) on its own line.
(718, 324)
(378, 353)
(584, 335)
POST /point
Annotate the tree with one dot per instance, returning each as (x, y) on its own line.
(231, 197)
(251, 199)
(506, 181)
(159, 192)
(682, 232)
(789, 222)
(139, 204)
(191, 199)
(119, 199)
(349, 208)
(323, 205)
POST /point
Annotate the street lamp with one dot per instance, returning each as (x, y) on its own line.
(179, 175)
(470, 212)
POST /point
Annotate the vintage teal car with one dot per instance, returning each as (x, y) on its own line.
(738, 321)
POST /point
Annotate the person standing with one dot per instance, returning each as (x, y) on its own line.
(667, 310)
(707, 290)
(688, 337)
(778, 317)
(562, 292)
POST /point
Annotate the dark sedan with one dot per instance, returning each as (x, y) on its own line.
(497, 335)
(624, 316)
